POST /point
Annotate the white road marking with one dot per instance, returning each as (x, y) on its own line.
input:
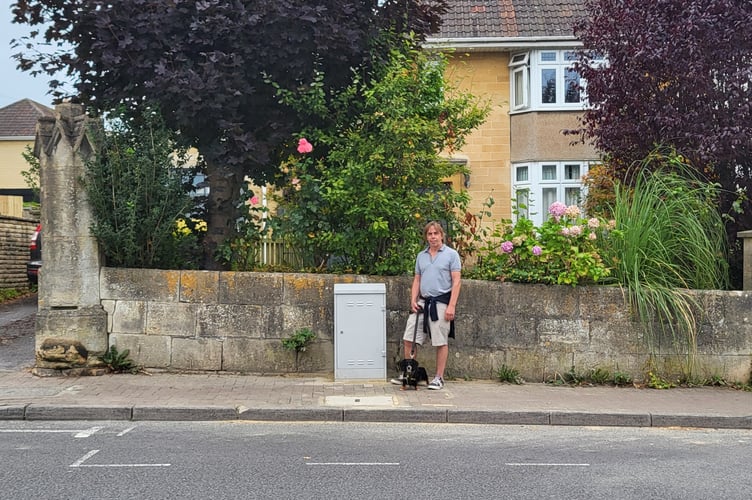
(353, 463)
(80, 462)
(126, 431)
(37, 431)
(88, 432)
(536, 464)
(78, 433)
(83, 459)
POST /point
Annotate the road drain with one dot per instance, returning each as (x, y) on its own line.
(359, 401)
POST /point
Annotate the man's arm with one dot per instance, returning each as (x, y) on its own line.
(415, 293)
(456, 283)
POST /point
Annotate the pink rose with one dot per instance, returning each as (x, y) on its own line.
(304, 146)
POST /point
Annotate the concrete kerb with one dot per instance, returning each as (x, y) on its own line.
(375, 415)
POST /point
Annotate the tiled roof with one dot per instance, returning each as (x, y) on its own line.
(510, 18)
(20, 118)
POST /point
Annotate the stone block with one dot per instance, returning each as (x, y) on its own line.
(153, 351)
(170, 318)
(319, 319)
(71, 412)
(575, 333)
(603, 304)
(399, 415)
(128, 316)
(139, 284)
(59, 354)
(85, 325)
(266, 289)
(268, 356)
(196, 354)
(229, 320)
(292, 414)
(187, 413)
(533, 300)
(601, 419)
(12, 411)
(501, 417)
(199, 286)
(303, 289)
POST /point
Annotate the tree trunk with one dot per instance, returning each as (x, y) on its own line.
(224, 193)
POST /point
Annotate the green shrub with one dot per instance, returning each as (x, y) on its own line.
(136, 186)
(565, 250)
(119, 361)
(299, 342)
(507, 374)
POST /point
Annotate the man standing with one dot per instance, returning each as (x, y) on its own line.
(433, 299)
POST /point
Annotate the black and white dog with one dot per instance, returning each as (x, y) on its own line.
(412, 374)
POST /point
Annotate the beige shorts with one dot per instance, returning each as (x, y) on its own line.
(439, 328)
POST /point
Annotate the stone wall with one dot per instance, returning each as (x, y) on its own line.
(15, 234)
(230, 321)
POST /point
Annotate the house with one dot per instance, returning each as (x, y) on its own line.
(518, 54)
(18, 123)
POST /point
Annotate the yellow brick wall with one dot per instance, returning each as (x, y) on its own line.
(486, 76)
(12, 163)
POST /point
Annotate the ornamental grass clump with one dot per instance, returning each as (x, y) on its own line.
(672, 240)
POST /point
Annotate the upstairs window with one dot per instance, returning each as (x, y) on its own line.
(545, 80)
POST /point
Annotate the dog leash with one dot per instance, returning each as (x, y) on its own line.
(415, 333)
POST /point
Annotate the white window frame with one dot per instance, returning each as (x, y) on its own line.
(534, 185)
(528, 67)
(519, 65)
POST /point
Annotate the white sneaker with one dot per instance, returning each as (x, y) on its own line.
(436, 384)
(397, 381)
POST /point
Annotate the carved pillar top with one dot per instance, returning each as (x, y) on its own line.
(70, 271)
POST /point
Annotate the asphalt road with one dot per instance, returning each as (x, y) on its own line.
(17, 319)
(248, 460)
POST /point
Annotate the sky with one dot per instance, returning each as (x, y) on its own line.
(16, 84)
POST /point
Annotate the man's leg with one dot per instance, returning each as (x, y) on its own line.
(442, 354)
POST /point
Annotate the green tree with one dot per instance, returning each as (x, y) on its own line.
(136, 185)
(358, 200)
(204, 65)
(677, 74)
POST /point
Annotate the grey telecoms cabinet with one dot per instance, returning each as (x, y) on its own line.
(359, 331)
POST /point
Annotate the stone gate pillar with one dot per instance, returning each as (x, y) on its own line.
(71, 325)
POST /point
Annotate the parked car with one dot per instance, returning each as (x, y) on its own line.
(35, 255)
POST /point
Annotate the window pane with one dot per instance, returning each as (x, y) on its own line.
(521, 174)
(571, 172)
(548, 56)
(549, 196)
(523, 207)
(548, 172)
(572, 196)
(570, 55)
(548, 86)
(571, 86)
(519, 88)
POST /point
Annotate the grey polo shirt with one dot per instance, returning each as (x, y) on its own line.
(436, 274)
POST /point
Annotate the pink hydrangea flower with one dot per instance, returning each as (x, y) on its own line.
(507, 247)
(572, 211)
(557, 209)
(575, 230)
(565, 231)
(592, 236)
(537, 250)
(593, 223)
(304, 146)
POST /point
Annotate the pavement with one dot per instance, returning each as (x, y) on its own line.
(161, 395)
